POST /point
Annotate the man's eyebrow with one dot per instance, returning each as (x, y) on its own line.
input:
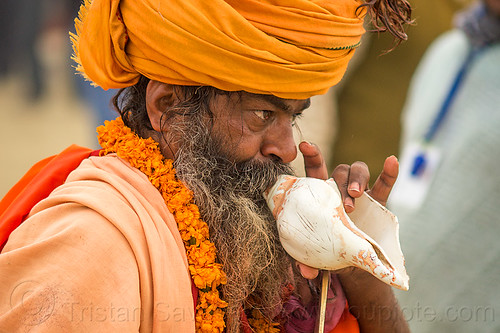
(282, 104)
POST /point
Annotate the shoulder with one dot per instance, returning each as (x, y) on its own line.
(98, 243)
(70, 238)
(449, 49)
(103, 199)
(454, 40)
(71, 262)
(110, 187)
(104, 206)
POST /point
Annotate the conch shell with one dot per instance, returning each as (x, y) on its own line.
(315, 229)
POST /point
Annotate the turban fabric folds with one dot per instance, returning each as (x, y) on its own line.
(288, 48)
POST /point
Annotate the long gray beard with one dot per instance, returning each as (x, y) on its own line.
(242, 228)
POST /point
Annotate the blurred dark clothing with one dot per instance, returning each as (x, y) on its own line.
(481, 26)
(20, 22)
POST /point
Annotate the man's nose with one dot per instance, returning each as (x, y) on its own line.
(279, 143)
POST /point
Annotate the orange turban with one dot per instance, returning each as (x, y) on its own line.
(291, 49)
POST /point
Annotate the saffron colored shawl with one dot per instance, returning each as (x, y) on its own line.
(15, 207)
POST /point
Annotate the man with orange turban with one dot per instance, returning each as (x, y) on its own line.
(165, 228)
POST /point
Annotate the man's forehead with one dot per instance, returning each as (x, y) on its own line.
(289, 105)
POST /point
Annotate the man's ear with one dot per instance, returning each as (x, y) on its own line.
(159, 97)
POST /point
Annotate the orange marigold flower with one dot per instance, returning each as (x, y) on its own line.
(145, 155)
(262, 324)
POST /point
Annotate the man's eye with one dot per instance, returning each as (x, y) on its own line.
(263, 114)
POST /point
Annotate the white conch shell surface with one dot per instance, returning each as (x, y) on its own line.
(315, 229)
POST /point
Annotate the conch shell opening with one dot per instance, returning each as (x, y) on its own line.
(315, 229)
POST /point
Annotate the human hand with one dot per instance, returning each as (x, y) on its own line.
(363, 291)
(352, 181)
(380, 191)
(314, 163)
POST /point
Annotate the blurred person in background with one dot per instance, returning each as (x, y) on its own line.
(384, 78)
(447, 196)
(21, 22)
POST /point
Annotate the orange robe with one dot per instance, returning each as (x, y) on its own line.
(102, 253)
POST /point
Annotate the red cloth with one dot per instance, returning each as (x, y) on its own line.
(347, 324)
(36, 184)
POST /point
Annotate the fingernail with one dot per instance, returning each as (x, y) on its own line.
(354, 187)
(349, 205)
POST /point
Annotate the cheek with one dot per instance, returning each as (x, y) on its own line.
(240, 143)
(247, 149)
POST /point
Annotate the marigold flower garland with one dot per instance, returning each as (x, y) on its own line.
(207, 274)
(262, 324)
